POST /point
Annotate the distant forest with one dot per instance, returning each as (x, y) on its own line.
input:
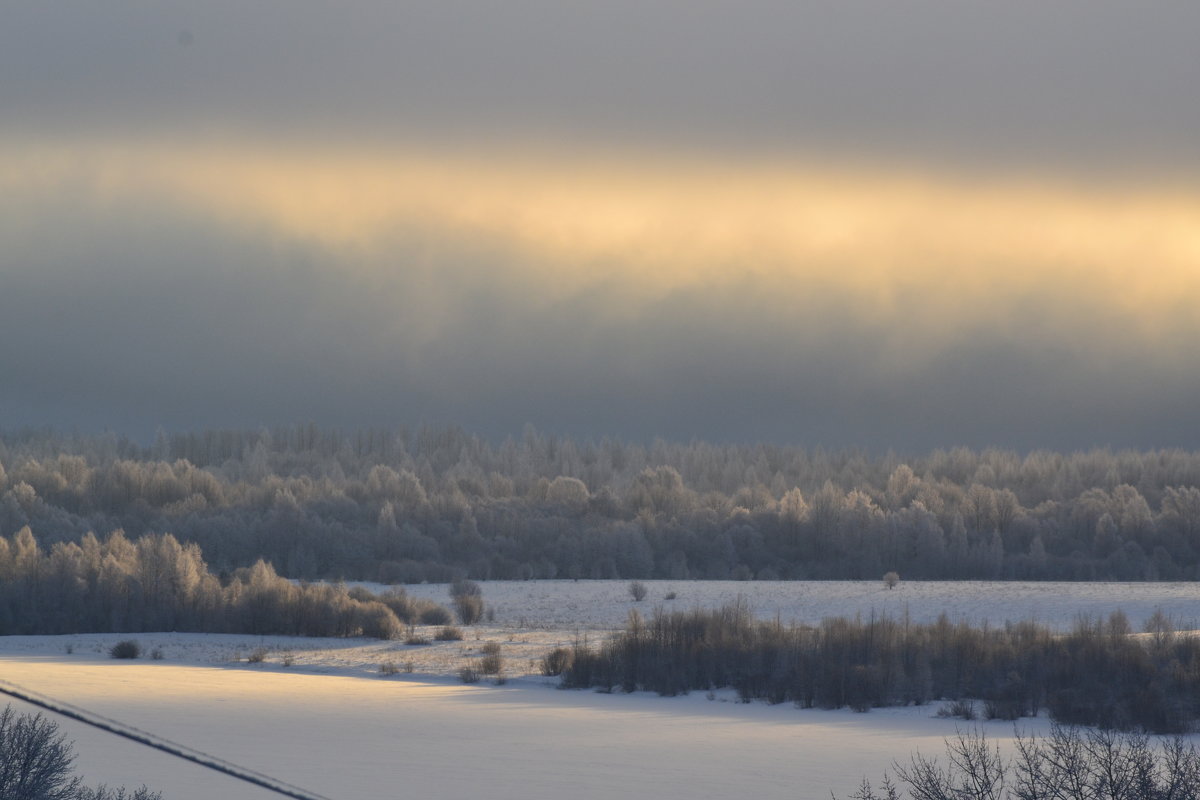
(439, 503)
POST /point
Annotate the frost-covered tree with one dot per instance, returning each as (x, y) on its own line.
(432, 503)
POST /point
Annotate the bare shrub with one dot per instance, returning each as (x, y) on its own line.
(469, 608)
(1009, 709)
(963, 709)
(410, 610)
(467, 597)
(469, 673)
(258, 656)
(492, 663)
(288, 659)
(449, 633)
(403, 606)
(433, 614)
(126, 648)
(637, 590)
(557, 661)
(156, 654)
(388, 668)
(378, 621)
(891, 579)
(1161, 629)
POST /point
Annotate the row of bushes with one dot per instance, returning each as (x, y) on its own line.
(1097, 674)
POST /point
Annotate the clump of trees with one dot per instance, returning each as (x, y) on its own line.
(1065, 765)
(158, 584)
(436, 504)
(1095, 675)
(36, 761)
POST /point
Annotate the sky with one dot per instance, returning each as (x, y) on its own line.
(906, 224)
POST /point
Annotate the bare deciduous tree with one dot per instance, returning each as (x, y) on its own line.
(35, 759)
(35, 764)
(1068, 764)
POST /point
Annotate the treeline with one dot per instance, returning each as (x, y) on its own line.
(157, 584)
(1096, 675)
(436, 504)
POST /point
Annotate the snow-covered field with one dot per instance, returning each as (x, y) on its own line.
(354, 739)
(332, 722)
(598, 605)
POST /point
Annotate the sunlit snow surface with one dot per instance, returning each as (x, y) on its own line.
(352, 738)
(353, 733)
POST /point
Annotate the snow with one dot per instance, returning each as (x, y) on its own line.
(350, 738)
(333, 723)
(599, 605)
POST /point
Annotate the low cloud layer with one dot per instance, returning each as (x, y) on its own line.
(203, 289)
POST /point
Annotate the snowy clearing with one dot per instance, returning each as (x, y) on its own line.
(321, 714)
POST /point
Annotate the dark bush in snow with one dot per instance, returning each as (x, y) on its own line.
(126, 648)
(449, 633)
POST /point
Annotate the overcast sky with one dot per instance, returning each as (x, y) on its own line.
(893, 224)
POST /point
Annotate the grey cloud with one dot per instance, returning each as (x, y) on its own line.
(1094, 82)
(149, 313)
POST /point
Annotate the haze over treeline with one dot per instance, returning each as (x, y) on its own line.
(439, 503)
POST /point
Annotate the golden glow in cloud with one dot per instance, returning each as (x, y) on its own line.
(927, 253)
